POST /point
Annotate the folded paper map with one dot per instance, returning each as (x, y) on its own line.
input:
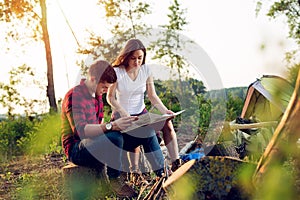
(155, 121)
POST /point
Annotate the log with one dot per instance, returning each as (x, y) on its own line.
(253, 125)
(73, 170)
(84, 182)
(212, 177)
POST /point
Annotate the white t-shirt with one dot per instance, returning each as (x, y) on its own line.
(129, 93)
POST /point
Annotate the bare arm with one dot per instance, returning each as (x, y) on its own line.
(111, 99)
(155, 100)
(92, 130)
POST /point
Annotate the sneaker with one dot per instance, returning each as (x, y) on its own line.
(176, 164)
(125, 176)
(137, 178)
(147, 176)
(121, 188)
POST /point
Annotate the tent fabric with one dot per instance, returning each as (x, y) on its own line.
(279, 88)
(261, 89)
(267, 98)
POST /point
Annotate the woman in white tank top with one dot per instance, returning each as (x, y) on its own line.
(126, 96)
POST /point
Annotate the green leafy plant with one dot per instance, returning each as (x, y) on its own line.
(11, 133)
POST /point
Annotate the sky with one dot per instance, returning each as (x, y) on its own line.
(229, 32)
(232, 35)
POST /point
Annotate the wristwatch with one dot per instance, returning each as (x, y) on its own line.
(108, 126)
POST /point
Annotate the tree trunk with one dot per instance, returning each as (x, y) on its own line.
(50, 86)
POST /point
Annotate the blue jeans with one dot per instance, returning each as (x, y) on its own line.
(95, 152)
(146, 137)
(109, 148)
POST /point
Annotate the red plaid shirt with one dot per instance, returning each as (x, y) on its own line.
(79, 108)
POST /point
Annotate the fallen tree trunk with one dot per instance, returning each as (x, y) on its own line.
(254, 125)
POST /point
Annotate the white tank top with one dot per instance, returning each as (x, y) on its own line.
(129, 93)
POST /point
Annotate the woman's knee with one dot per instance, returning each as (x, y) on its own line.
(168, 127)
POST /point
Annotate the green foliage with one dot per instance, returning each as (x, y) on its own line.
(290, 10)
(11, 133)
(199, 104)
(203, 105)
(185, 188)
(47, 136)
(204, 115)
(187, 91)
(234, 105)
(25, 24)
(293, 74)
(21, 136)
(169, 99)
(197, 86)
(167, 96)
(196, 117)
(177, 19)
(12, 97)
(124, 21)
(278, 183)
(166, 49)
(293, 67)
(233, 100)
(46, 185)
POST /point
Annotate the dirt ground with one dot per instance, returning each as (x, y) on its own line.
(40, 177)
(22, 174)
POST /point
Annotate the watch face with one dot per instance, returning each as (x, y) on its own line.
(108, 126)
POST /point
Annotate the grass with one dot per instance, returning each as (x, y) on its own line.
(32, 178)
(41, 178)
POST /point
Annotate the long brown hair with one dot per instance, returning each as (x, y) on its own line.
(124, 55)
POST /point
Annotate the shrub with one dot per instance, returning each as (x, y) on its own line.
(11, 131)
(46, 137)
(21, 135)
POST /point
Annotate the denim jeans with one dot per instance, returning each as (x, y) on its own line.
(109, 148)
(97, 151)
(146, 137)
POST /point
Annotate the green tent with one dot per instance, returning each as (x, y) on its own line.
(267, 98)
(266, 101)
